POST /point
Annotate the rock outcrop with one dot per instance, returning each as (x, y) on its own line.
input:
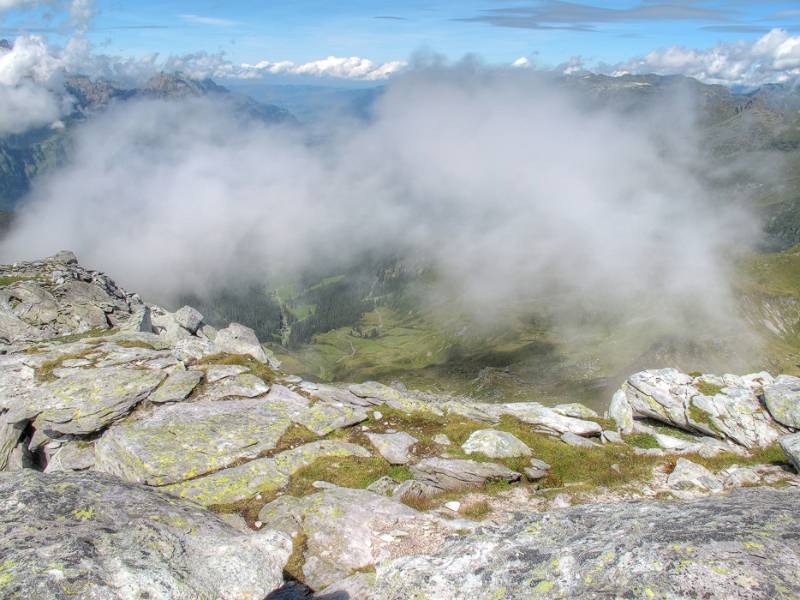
(742, 546)
(89, 535)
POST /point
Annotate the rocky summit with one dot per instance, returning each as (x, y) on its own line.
(145, 453)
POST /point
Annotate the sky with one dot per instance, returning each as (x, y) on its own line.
(545, 33)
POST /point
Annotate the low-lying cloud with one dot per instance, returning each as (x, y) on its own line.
(506, 185)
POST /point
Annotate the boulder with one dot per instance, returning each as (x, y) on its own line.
(89, 400)
(688, 475)
(177, 387)
(495, 444)
(577, 441)
(441, 439)
(71, 456)
(457, 474)
(238, 339)
(183, 441)
(394, 447)
(542, 418)
(216, 372)
(537, 470)
(91, 535)
(385, 486)
(346, 530)
(245, 385)
(621, 412)
(783, 400)
(262, 475)
(189, 318)
(745, 545)
(791, 448)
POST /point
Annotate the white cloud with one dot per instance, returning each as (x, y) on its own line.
(212, 21)
(522, 62)
(775, 57)
(338, 67)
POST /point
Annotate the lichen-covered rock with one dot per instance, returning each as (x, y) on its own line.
(783, 400)
(177, 387)
(621, 412)
(542, 418)
(189, 318)
(90, 535)
(791, 447)
(322, 418)
(186, 440)
(346, 530)
(71, 456)
(723, 407)
(245, 385)
(379, 393)
(238, 339)
(745, 546)
(261, 475)
(394, 447)
(91, 399)
(449, 474)
(575, 410)
(688, 475)
(495, 444)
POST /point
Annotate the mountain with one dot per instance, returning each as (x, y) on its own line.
(23, 157)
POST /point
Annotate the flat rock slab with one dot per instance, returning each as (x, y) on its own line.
(183, 441)
(394, 447)
(457, 474)
(745, 546)
(542, 418)
(495, 444)
(90, 535)
(262, 475)
(91, 399)
(322, 418)
(177, 387)
(217, 372)
(245, 385)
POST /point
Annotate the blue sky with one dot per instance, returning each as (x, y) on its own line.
(497, 30)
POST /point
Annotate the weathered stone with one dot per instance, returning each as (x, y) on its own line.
(688, 475)
(577, 441)
(791, 447)
(621, 412)
(245, 385)
(343, 529)
(441, 439)
(261, 475)
(238, 339)
(189, 318)
(183, 441)
(495, 444)
(457, 474)
(71, 456)
(139, 321)
(177, 387)
(91, 399)
(323, 418)
(379, 393)
(90, 535)
(783, 400)
(216, 372)
(745, 545)
(411, 488)
(576, 410)
(612, 437)
(384, 486)
(394, 447)
(543, 418)
(33, 304)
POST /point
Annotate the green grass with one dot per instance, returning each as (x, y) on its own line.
(642, 440)
(707, 389)
(351, 472)
(45, 372)
(12, 279)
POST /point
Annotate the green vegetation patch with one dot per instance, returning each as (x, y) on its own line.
(7, 280)
(642, 440)
(45, 372)
(707, 389)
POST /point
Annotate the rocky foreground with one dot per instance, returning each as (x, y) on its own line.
(145, 453)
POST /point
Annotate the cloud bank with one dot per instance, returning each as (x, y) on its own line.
(501, 183)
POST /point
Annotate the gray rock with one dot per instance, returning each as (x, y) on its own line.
(457, 474)
(543, 418)
(783, 400)
(322, 418)
(612, 437)
(716, 547)
(441, 439)
(90, 535)
(537, 470)
(411, 488)
(791, 447)
(394, 447)
(576, 410)
(262, 475)
(189, 318)
(177, 387)
(183, 441)
(688, 475)
(245, 385)
(577, 441)
(385, 486)
(621, 412)
(342, 528)
(216, 372)
(139, 321)
(91, 399)
(495, 444)
(33, 304)
(238, 339)
(71, 456)
(64, 257)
